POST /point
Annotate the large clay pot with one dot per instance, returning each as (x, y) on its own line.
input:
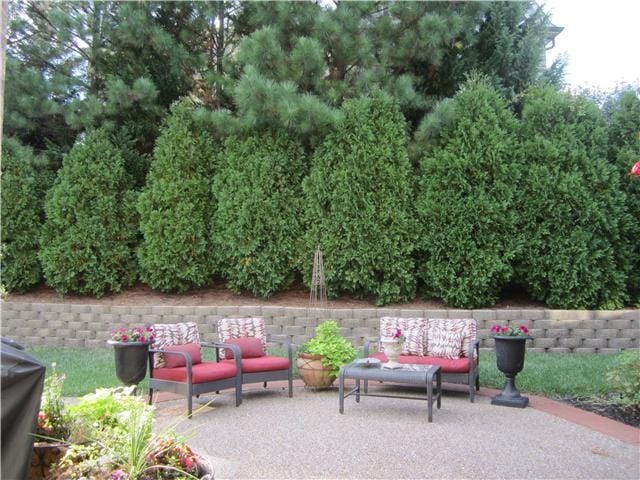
(313, 373)
(510, 352)
(131, 361)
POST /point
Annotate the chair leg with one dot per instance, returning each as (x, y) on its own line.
(238, 395)
(150, 396)
(478, 383)
(290, 384)
(265, 384)
(189, 405)
(472, 392)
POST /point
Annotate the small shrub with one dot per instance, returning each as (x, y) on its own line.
(256, 226)
(54, 422)
(89, 235)
(21, 220)
(358, 204)
(465, 199)
(571, 207)
(176, 205)
(625, 377)
(328, 342)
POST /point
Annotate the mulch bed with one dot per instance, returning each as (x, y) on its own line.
(604, 406)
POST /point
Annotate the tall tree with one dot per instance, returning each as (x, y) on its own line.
(572, 209)
(358, 204)
(466, 199)
(176, 205)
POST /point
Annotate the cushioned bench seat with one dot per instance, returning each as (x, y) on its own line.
(262, 364)
(458, 365)
(200, 373)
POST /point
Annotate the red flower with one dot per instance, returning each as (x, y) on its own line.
(123, 338)
(635, 170)
(524, 329)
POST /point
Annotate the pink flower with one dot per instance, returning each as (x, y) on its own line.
(398, 333)
(524, 329)
(118, 475)
(635, 170)
(124, 338)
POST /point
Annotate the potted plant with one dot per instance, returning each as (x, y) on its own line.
(510, 344)
(131, 346)
(320, 358)
(393, 348)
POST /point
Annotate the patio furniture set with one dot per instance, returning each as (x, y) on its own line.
(434, 350)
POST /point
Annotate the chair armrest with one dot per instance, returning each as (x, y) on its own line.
(185, 355)
(367, 345)
(475, 352)
(287, 345)
(237, 353)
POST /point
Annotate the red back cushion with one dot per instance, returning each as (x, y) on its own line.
(173, 361)
(250, 347)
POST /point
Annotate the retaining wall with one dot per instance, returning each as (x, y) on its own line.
(63, 324)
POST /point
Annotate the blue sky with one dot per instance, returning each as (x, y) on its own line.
(601, 40)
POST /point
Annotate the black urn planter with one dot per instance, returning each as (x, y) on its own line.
(510, 352)
(131, 361)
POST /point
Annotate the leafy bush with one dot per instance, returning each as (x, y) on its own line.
(175, 206)
(571, 206)
(256, 226)
(89, 235)
(623, 113)
(328, 342)
(358, 204)
(465, 199)
(625, 377)
(21, 219)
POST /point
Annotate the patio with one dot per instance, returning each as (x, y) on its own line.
(272, 436)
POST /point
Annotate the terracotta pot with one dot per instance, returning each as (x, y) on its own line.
(312, 372)
(44, 456)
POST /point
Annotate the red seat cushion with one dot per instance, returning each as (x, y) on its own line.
(201, 373)
(250, 347)
(263, 364)
(448, 365)
(173, 361)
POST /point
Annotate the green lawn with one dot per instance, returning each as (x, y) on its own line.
(553, 375)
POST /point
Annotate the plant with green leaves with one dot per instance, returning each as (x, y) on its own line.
(571, 207)
(466, 209)
(333, 348)
(21, 219)
(256, 226)
(89, 236)
(176, 205)
(358, 204)
(624, 378)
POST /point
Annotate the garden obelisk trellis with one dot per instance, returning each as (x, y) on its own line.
(318, 296)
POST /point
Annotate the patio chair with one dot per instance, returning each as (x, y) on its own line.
(450, 343)
(175, 364)
(249, 335)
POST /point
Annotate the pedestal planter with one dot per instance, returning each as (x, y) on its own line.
(510, 352)
(392, 349)
(313, 373)
(131, 361)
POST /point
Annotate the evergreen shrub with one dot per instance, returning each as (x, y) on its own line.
(571, 208)
(89, 235)
(256, 227)
(623, 114)
(21, 219)
(465, 199)
(175, 206)
(358, 204)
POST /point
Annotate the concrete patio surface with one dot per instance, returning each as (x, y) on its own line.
(273, 436)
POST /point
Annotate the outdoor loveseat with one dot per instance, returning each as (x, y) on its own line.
(450, 343)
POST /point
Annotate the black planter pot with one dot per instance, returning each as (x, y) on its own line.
(510, 352)
(131, 361)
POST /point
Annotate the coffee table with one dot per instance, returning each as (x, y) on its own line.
(408, 374)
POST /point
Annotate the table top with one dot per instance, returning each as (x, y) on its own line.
(407, 372)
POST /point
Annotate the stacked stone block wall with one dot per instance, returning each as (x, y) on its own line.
(79, 325)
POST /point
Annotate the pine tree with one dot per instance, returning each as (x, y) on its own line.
(176, 205)
(21, 218)
(88, 238)
(465, 200)
(256, 227)
(571, 207)
(358, 204)
(623, 114)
